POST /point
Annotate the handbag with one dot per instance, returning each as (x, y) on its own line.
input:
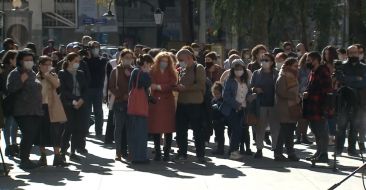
(137, 100)
(112, 97)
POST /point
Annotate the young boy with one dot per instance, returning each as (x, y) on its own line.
(218, 120)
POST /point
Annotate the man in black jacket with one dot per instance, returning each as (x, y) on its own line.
(96, 65)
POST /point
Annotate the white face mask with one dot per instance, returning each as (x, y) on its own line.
(361, 56)
(196, 53)
(163, 65)
(265, 64)
(239, 73)
(76, 66)
(299, 54)
(182, 64)
(50, 69)
(279, 64)
(95, 52)
(127, 62)
(28, 65)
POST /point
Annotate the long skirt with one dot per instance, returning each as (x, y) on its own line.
(137, 133)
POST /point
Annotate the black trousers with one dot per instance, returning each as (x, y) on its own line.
(74, 130)
(219, 129)
(29, 127)
(109, 133)
(286, 137)
(190, 115)
(168, 137)
(345, 120)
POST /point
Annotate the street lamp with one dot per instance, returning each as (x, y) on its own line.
(159, 18)
(17, 4)
(109, 15)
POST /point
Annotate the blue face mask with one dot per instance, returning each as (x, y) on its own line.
(163, 65)
(76, 66)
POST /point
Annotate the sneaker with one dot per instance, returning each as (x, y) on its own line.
(249, 152)
(28, 165)
(43, 160)
(74, 157)
(181, 158)
(293, 158)
(280, 158)
(258, 154)
(235, 155)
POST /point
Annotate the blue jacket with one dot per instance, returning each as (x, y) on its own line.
(229, 94)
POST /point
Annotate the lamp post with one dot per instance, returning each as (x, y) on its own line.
(109, 15)
(159, 18)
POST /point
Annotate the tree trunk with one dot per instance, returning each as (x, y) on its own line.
(303, 24)
(186, 24)
(259, 30)
(357, 29)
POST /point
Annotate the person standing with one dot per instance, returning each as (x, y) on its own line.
(191, 88)
(54, 116)
(73, 93)
(320, 84)
(287, 102)
(96, 65)
(162, 114)
(26, 89)
(137, 130)
(118, 86)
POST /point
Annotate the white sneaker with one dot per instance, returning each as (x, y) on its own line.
(235, 155)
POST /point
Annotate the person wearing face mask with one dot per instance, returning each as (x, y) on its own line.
(162, 114)
(361, 53)
(263, 84)
(257, 53)
(354, 77)
(300, 50)
(315, 106)
(54, 116)
(287, 96)
(137, 130)
(73, 93)
(191, 88)
(213, 70)
(118, 87)
(27, 106)
(96, 65)
(280, 60)
(235, 100)
(245, 56)
(11, 128)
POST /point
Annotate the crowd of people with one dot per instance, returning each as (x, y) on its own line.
(154, 93)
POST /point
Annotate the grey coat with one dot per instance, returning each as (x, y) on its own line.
(28, 95)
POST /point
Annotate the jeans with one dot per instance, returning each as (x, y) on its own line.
(219, 129)
(235, 121)
(137, 138)
(267, 118)
(190, 115)
(331, 122)
(10, 131)
(320, 131)
(355, 126)
(29, 127)
(120, 130)
(109, 131)
(95, 101)
(286, 137)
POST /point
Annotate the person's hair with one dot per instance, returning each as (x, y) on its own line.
(333, 55)
(271, 59)
(212, 55)
(156, 66)
(302, 61)
(281, 55)
(7, 42)
(86, 38)
(342, 51)
(290, 61)
(123, 53)
(146, 49)
(154, 52)
(285, 44)
(145, 58)
(91, 43)
(243, 52)
(217, 86)
(20, 56)
(244, 78)
(32, 46)
(139, 46)
(233, 51)
(69, 57)
(256, 50)
(195, 45)
(315, 56)
(189, 48)
(360, 46)
(174, 58)
(173, 51)
(11, 54)
(43, 59)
